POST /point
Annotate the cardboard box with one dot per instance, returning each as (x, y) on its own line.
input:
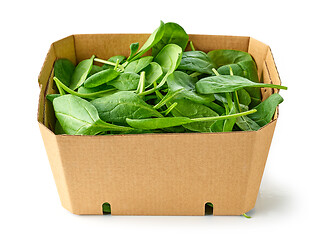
(155, 174)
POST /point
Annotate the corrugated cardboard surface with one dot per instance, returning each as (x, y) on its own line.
(155, 174)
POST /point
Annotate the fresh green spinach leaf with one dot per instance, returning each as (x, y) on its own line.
(173, 33)
(81, 72)
(139, 64)
(79, 117)
(100, 78)
(63, 70)
(224, 83)
(197, 61)
(121, 105)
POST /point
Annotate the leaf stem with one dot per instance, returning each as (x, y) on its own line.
(167, 111)
(236, 99)
(270, 86)
(215, 72)
(192, 46)
(195, 74)
(246, 216)
(108, 63)
(116, 65)
(141, 84)
(167, 98)
(61, 91)
(82, 95)
(236, 115)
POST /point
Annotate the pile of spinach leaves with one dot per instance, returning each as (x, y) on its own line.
(173, 90)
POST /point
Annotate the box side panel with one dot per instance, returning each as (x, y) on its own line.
(43, 80)
(261, 149)
(105, 46)
(157, 174)
(55, 161)
(207, 43)
(258, 51)
(65, 48)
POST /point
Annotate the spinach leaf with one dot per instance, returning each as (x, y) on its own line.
(197, 61)
(169, 58)
(246, 69)
(154, 38)
(190, 109)
(225, 125)
(247, 124)
(118, 58)
(126, 81)
(138, 65)
(180, 80)
(58, 130)
(266, 110)
(222, 57)
(153, 73)
(94, 69)
(159, 123)
(133, 49)
(81, 72)
(63, 70)
(173, 33)
(79, 117)
(121, 105)
(224, 83)
(84, 95)
(51, 97)
(100, 78)
(100, 88)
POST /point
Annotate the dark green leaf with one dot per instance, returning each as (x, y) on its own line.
(159, 123)
(94, 69)
(180, 80)
(81, 72)
(63, 70)
(266, 110)
(100, 78)
(196, 61)
(153, 73)
(51, 97)
(137, 65)
(173, 33)
(154, 38)
(133, 49)
(126, 81)
(79, 117)
(224, 83)
(121, 105)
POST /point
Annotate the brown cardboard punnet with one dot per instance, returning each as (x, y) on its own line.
(155, 174)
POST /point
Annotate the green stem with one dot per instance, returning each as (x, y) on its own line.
(116, 65)
(61, 91)
(157, 92)
(82, 95)
(215, 72)
(195, 74)
(167, 111)
(152, 90)
(270, 86)
(236, 115)
(246, 216)
(229, 100)
(141, 84)
(191, 46)
(167, 98)
(236, 99)
(108, 63)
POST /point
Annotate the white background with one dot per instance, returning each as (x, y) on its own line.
(29, 203)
